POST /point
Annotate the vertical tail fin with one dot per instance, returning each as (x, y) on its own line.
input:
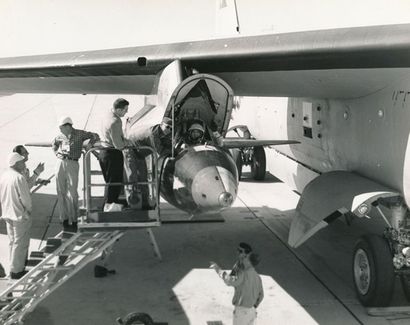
(226, 18)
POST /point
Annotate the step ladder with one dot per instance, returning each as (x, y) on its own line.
(63, 256)
(93, 219)
(68, 252)
(92, 216)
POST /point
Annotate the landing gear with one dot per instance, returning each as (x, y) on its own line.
(405, 282)
(373, 272)
(258, 164)
(237, 158)
(253, 156)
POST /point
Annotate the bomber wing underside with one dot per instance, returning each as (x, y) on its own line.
(329, 196)
(293, 64)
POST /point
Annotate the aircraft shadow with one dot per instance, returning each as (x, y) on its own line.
(327, 256)
(311, 275)
(269, 178)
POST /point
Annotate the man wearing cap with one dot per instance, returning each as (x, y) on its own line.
(247, 283)
(112, 159)
(16, 206)
(67, 147)
(31, 179)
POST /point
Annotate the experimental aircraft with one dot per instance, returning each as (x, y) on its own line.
(200, 177)
(342, 93)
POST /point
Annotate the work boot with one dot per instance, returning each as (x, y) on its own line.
(116, 207)
(113, 207)
(107, 207)
(18, 275)
(66, 226)
(74, 227)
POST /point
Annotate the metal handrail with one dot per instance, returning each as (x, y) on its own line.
(87, 172)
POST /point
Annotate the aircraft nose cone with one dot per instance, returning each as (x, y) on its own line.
(225, 199)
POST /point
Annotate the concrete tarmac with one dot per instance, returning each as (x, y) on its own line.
(308, 285)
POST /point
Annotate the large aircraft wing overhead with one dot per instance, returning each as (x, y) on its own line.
(140, 114)
(291, 64)
(243, 143)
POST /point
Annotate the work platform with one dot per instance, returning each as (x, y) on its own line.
(121, 220)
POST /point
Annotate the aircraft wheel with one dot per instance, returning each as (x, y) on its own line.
(258, 164)
(237, 158)
(405, 282)
(136, 318)
(373, 273)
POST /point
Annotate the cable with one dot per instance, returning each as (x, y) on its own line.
(30, 109)
(91, 110)
(48, 224)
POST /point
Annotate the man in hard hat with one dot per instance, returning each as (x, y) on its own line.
(67, 147)
(16, 206)
(112, 159)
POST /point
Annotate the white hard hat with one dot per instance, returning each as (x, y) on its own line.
(13, 158)
(65, 120)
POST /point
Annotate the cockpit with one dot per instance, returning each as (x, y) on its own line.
(201, 107)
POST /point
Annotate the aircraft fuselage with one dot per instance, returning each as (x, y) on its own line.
(368, 134)
(200, 179)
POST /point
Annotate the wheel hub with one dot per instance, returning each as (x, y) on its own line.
(361, 270)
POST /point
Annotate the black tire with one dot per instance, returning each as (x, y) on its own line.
(373, 272)
(237, 158)
(405, 282)
(258, 164)
(138, 318)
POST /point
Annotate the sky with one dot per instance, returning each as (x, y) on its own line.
(55, 26)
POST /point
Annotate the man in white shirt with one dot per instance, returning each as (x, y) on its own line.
(16, 206)
(112, 159)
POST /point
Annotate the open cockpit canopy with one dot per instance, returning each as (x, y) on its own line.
(203, 99)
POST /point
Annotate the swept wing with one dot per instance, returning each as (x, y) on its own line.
(291, 64)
